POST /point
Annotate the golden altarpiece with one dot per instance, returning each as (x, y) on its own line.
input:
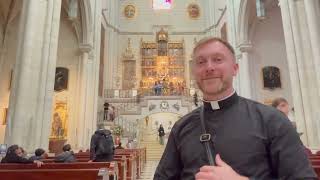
(162, 65)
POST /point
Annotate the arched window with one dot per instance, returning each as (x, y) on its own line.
(162, 4)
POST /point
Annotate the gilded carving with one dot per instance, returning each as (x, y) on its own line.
(59, 121)
(130, 11)
(194, 11)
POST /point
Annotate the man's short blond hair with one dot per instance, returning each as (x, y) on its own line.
(208, 40)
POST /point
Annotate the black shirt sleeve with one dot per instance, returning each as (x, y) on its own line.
(169, 167)
(288, 158)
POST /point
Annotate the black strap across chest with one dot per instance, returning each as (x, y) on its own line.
(205, 138)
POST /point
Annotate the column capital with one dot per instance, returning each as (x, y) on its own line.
(85, 48)
(245, 47)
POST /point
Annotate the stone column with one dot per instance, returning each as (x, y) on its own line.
(96, 66)
(85, 49)
(307, 102)
(244, 71)
(232, 36)
(313, 15)
(293, 69)
(87, 97)
(32, 89)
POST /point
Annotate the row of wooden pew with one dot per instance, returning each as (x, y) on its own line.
(127, 165)
(315, 161)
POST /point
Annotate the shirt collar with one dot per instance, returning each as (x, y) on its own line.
(222, 103)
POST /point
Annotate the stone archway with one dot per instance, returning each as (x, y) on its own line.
(148, 132)
(167, 119)
(261, 42)
(75, 44)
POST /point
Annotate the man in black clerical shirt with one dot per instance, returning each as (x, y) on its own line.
(248, 140)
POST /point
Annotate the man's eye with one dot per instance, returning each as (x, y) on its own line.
(201, 61)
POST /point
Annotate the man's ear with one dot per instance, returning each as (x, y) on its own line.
(235, 69)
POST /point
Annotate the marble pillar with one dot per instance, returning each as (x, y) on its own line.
(30, 103)
(83, 97)
(313, 15)
(293, 69)
(244, 71)
(302, 71)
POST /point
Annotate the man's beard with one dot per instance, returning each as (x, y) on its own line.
(208, 89)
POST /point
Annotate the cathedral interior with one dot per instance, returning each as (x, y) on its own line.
(68, 65)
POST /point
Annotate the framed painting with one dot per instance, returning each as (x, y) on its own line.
(61, 79)
(271, 77)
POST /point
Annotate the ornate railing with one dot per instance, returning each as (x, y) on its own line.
(136, 94)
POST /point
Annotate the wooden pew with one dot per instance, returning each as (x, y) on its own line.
(109, 166)
(317, 170)
(133, 154)
(121, 163)
(135, 160)
(131, 165)
(54, 174)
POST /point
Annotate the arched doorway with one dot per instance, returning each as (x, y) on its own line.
(148, 132)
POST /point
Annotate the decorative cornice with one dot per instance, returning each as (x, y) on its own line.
(203, 32)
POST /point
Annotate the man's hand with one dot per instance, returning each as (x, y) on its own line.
(222, 171)
(39, 163)
(90, 161)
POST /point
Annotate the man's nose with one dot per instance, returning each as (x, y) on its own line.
(210, 66)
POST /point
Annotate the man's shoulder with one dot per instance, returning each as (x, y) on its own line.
(259, 107)
(187, 119)
(268, 114)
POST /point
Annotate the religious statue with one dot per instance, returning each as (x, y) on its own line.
(57, 129)
(162, 35)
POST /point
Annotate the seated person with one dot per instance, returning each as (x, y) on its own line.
(38, 154)
(119, 146)
(282, 105)
(66, 156)
(15, 155)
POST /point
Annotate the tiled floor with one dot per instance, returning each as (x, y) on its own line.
(148, 170)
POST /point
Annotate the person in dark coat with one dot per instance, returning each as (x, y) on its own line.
(97, 154)
(67, 156)
(161, 134)
(39, 154)
(15, 155)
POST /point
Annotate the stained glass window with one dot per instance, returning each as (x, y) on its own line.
(162, 4)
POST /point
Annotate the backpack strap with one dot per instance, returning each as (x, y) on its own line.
(205, 137)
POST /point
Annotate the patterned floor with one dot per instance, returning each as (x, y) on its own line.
(148, 171)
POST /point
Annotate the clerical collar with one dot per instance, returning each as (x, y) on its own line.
(222, 103)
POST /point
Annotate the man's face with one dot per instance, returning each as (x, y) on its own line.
(214, 69)
(19, 152)
(283, 107)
